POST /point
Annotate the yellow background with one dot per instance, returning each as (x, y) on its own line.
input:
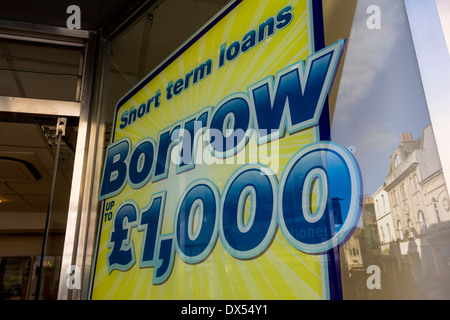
(281, 272)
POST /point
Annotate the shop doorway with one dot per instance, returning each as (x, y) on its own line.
(41, 84)
(28, 150)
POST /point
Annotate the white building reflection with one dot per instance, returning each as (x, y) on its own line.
(411, 214)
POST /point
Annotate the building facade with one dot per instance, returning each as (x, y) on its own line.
(418, 197)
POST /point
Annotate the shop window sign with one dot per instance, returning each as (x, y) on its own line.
(189, 196)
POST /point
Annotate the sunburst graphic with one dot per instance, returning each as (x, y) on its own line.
(280, 272)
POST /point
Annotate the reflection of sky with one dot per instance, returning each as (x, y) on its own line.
(380, 94)
(430, 25)
(444, 12)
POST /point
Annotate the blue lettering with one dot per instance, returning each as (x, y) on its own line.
(245, 240)
(296, 100)
(128, 117)
(197, 75)
(141, 110)
(252, 204)
(202, 71)
(195, 240)
(233, 51)
(222, 51)
(268, 25)
(124, 119)
(150, 224)
(335, 170)
(202, 214)
(141, 162)
(115, 169)
(166, 254)
(121, 257)
(284, 17)
(156, 100)
(167, 140)
(256, 36)
(132, 117)
(190, 135)
(249, 41)
(293, 103)
(178, 87)
(232, 118)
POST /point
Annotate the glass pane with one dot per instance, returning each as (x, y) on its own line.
(400, 249)
(27, 155)
(14, 277)
(150, 40)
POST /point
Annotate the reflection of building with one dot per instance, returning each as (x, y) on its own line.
(383, 218)
(416, 186)
(404, 229)
(359, 248)
(359, 252)
(412, 212)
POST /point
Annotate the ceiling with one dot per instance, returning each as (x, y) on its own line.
(40, 71)
(27, 157)
(27, 142)
(94, 14)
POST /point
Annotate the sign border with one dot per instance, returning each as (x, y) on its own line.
(332, 284)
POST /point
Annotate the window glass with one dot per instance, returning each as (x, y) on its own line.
(377, 111)
(381, 114)
(28, 150)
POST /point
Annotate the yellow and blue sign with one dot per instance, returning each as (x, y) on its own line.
(220, 181)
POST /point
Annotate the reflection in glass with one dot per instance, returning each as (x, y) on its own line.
(405, 223)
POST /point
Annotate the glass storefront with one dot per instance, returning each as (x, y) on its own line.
(402, 232)
(380, 113)
(28, 150)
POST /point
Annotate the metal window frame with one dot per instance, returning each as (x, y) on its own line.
(18, 30)
(80, 208)
(83, 211)
(81, 234)
(40, 106)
